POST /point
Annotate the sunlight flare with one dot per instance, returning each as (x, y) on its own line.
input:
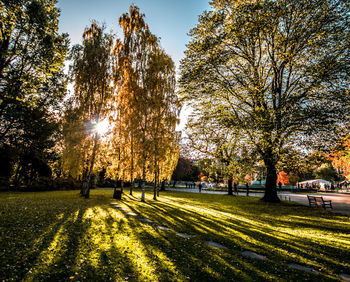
(102, 127)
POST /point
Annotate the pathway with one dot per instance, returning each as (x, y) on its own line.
(340, 201)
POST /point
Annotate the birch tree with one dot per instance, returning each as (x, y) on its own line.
(146, 100)
(92, 71)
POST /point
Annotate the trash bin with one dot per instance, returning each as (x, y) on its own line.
(117, 194)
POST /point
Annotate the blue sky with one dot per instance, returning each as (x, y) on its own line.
(170, 20)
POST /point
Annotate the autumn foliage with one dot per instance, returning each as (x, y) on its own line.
(130, 84)
(341, 157)
(283, 178)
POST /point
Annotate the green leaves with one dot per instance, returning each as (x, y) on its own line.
(271, 71)
(32, 82)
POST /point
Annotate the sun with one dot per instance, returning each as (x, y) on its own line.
(102, 127)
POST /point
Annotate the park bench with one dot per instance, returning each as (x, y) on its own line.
(318, 201)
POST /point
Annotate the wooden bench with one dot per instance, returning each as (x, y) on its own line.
(318, 201)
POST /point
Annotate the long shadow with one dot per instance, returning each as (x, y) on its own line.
(41, 222)
(27, 257)
(267, 238)
(166, 243)
(62, 263)
(197, 260)
(116, 258)
(304, 247)
(173, 256)
(82, 258)
(112, 264)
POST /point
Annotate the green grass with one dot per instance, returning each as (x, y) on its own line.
(60, 236)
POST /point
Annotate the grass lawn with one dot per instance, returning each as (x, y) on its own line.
(60, 236)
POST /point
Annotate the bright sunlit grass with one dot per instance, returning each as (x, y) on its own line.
(60, 236)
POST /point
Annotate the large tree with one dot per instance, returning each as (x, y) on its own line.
(276, 70)
(32, 85)
(92, 72)
(144, 137)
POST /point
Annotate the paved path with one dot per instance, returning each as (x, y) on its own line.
(340, 201)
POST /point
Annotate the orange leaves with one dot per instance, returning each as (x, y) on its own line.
(340, 157)
(132, 21)
(144, 78)
(283, 178)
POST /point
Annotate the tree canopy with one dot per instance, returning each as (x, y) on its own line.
(130, 84)
(144, 135)
(276, 73)
(32, 86)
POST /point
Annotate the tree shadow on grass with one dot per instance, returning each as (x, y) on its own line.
(42, 234)
(192, 256)
(259, 236)
(96, 241)
(27, 250)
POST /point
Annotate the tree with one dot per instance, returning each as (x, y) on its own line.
(183, 169)
(340, 156)
(132, 56)
(283, 178)
(160, 81)
(225, 148)
(32, 85)
(302, 166)
(327, 172)
(31, 53)
(272, 70)
(92, 71)
(146, 104)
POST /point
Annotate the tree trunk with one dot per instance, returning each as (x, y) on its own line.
(16, 180)
(87, 190)
(235, 188)
(229, 185)
(158, 182)
(131, 187)
(162, 187)
(155, 185)
(83, 181)
(143, 183)
(132, 166)
(271, 179)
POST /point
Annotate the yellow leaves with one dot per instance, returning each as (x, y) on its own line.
(144, 127)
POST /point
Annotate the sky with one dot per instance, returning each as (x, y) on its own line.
(169, 20)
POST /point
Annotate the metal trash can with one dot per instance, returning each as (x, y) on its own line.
(117, 194)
